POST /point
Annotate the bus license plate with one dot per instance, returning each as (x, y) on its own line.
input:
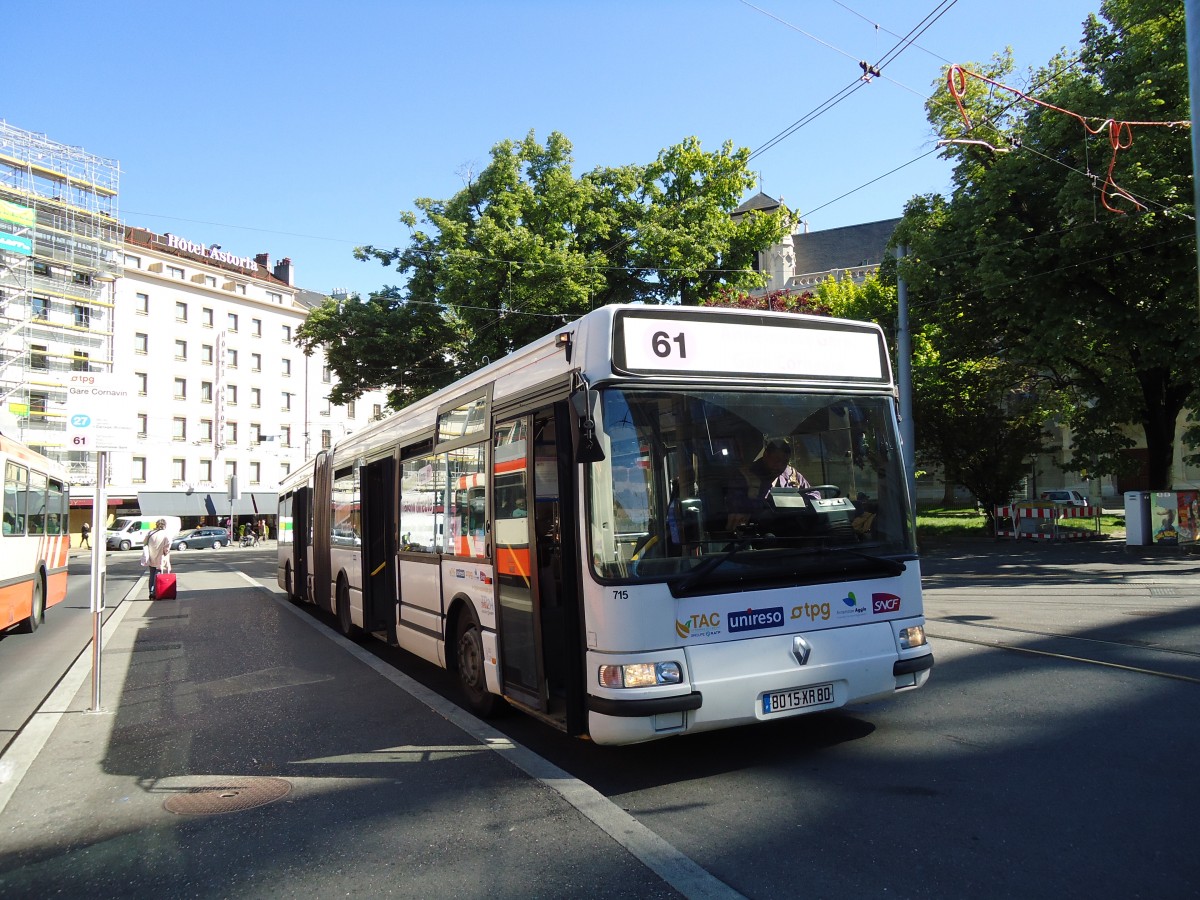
(797, 698)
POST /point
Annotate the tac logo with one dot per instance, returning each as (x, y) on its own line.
(885, 603)
(699, 625)
(755, 619)
(849, 606)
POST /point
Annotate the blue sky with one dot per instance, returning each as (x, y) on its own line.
(303, 130)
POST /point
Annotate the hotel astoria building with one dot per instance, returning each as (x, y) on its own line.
(223, 391)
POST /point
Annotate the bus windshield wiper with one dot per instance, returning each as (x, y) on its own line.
(891, 566)
(730, 550)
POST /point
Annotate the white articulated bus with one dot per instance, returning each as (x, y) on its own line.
(654, 521)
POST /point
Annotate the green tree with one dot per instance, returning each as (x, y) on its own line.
(526, 246)
(1026, 264)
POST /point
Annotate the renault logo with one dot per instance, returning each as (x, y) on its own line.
(801, 649)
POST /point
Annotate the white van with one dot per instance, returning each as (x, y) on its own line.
(131, 531)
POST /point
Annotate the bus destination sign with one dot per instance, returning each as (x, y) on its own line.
(771, 346)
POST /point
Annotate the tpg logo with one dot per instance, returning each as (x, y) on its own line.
(885, 603)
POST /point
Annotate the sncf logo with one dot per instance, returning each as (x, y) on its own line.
(885, 603)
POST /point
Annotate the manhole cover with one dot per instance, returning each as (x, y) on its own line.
(218, 795)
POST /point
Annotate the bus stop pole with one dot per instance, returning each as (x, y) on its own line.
(99, 542)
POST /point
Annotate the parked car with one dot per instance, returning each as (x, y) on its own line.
(1070, 498)
(201, 537)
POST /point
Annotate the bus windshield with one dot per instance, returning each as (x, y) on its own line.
(713, 489)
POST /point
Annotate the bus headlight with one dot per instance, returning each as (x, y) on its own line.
(640, 675)
(913, 636)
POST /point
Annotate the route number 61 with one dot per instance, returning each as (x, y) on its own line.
(661, 344)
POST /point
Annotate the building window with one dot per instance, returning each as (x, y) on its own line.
(231, 433)
(180, 388)
(80, 361)
(181, 349)
(274, 297)
(206, 392)
(143, 419)
(139, 470)
(179, 429)
(285, 469)
(180, 311)
(206, 354)
(255, 471)
(41, 308)
(206, 317)
(37, 357)
(326, 439)
(141, 343)
(255, 397)
(350, 410)
(210, 281)
(287, 368)
(328, 407)
(231, 358)
(241, 289)
(376, 411)
(142, 380)
(178, 471)
(255, 433)
(175, 272)
(230, 470)
(287, 401)
(83, 278)
(133, 262)
(206, 470)
(285, 435)
(326, 375)
(256, 327)
(233, 321)
(255, 362)
(231, 394)
(43, 269)
(142, 305)
(206, 430)
(83, 317)
(287, 334)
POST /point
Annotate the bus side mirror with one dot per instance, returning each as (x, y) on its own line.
(583, 407)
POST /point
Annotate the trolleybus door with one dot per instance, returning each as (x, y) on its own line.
(534, 618)
(517, 600)
(379, 552)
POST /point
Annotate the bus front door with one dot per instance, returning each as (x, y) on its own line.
(533, 626)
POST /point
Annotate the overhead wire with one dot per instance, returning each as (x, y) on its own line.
(869, 71)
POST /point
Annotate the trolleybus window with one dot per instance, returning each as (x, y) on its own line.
(422, 503)
(705, 486)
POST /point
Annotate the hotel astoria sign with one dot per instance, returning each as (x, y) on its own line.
(213, 252)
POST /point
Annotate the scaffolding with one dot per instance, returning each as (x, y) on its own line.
(60, 251)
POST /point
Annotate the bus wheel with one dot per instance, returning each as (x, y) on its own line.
(345, 623)
(469, 659)
(37, 608)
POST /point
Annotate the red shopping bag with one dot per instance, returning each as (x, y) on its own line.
(164, 586)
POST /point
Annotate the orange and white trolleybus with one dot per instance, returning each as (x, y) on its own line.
(34, 536)
(654, 521)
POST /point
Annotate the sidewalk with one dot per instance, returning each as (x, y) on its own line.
(245, 750)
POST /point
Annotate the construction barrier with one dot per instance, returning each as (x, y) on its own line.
(1043, 520)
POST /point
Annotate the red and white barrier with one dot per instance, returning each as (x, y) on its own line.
(1040, 521)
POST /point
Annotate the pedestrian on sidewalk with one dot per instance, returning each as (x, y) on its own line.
(85, 534)
(158, 552)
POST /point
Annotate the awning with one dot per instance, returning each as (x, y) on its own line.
(203, 503)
